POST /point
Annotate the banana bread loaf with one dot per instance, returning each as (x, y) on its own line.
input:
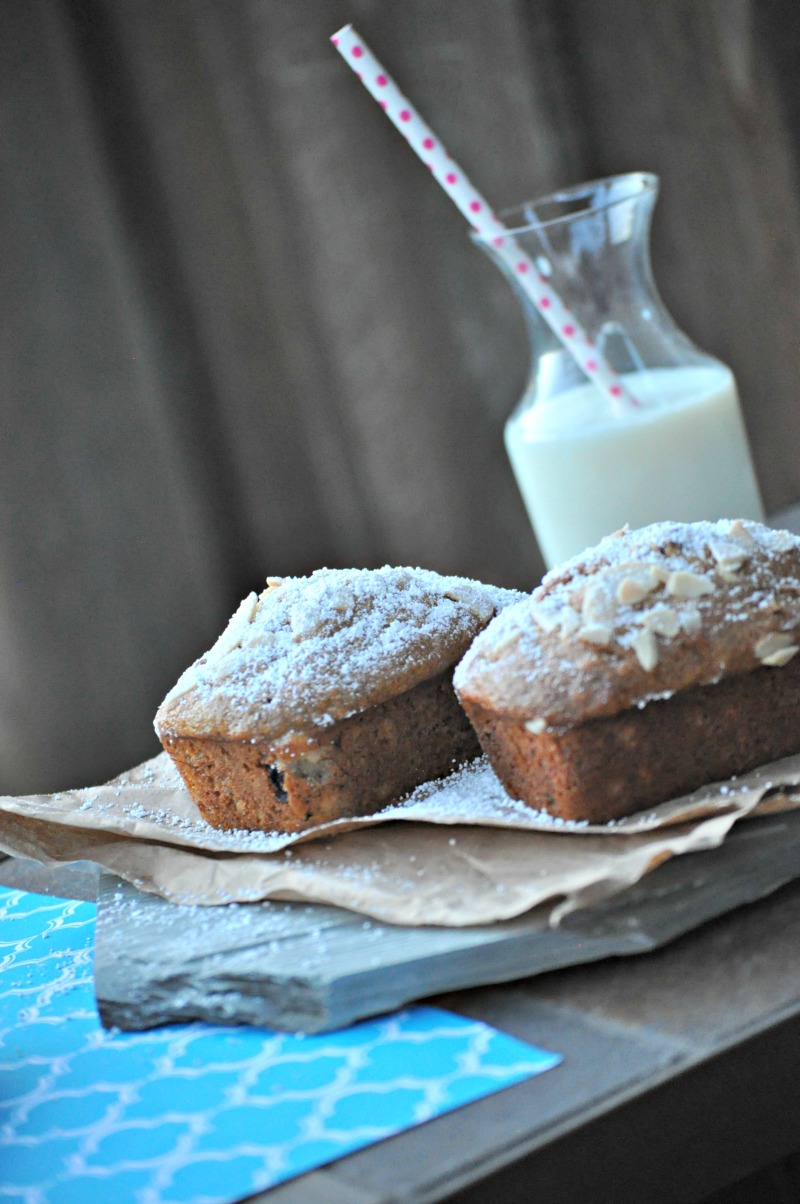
(327, 696)
(661, 660)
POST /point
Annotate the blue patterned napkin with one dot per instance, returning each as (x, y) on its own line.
(196, 1113)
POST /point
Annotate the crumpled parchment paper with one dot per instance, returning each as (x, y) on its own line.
(455, 852)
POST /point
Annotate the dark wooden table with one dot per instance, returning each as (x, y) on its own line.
(681, 1075)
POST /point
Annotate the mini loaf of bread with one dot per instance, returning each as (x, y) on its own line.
(659, 661)
(327, 696)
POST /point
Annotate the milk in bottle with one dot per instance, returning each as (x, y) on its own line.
(586, 464)
(586, 460)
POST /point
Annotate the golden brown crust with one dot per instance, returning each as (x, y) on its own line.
(641, 617)
(327, 696)
(311, 651)
(614, 766)
(646, 667)
(350, 768)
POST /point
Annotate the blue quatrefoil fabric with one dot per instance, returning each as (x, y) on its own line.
(195, 1112)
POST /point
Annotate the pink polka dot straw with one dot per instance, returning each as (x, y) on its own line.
(477, 211)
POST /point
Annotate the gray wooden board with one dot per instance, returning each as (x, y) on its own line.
(311, 968)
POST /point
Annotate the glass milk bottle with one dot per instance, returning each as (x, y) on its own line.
(587, 463)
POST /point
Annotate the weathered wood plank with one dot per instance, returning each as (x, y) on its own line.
(311, 968)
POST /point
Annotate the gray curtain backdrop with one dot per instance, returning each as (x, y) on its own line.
(245, 334)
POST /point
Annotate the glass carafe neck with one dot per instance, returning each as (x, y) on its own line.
(591, 244)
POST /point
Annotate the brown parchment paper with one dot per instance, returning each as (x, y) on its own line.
(455, 852)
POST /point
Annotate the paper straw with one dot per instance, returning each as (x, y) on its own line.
(478, 212)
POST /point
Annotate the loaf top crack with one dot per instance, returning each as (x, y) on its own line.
(310, 651)
(640, 616)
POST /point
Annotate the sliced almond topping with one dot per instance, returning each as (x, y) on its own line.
(683, 584)
(630, 591)
(274, 582)
(690, 620)
(236, 629)
(782, 541)
(596, 634)
(187, 681)
(726, 553)
(634, 589)
(738, 530)
(304, 621)
(772, 644)
(646, 649)
(501, 646)
(570, 621)
(781, 657)
(342, 599)
(253, 637)
(598, 604)
(728, 575)
(564, 619)
(537, 726)
(545, 618)
(481, 608)
(662, 620)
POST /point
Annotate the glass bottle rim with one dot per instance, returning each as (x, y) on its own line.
(573, 203)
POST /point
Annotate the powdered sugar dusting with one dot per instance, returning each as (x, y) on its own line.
(640, 586)
(313, 650)
(151, 805)
(643, 614)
